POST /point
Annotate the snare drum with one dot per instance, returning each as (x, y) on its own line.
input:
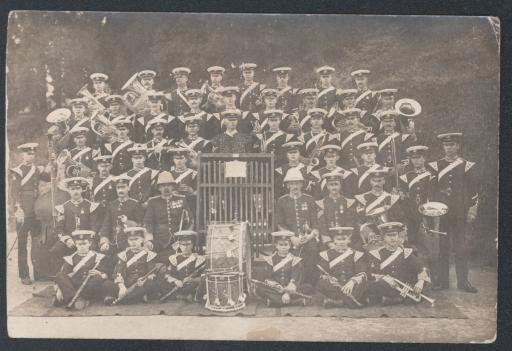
(224, 291)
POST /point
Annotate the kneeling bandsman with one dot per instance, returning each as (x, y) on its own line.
(392, 267)
(282, 283)
(82, 275)
(343, 272)
(181, 278)
(134, 273)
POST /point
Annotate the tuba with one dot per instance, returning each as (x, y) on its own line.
(135, 95)
(103, 127)
(410, 109)
(432, 213)
(60, 117)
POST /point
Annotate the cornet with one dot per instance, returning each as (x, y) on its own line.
(92, 102)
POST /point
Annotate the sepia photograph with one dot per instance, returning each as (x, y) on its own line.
(255, 177)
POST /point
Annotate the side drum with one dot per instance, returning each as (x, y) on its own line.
(224, 291)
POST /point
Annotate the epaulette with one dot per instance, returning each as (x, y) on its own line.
(17, 170)
(69, 259)
(355, 171)
(154, 173)
(405, 136)
(93, 206)
(268, 259)
(174, 259)
(404, 177)
(469, 164)
(99, 257)
(375, 253)
(394, 199)
(296, 260)
(360, 198)
(279, 170)
(122, 256)
(199, 260)
(350, 202)
(407, 252)
(151, 255)
(433, 165)
(60, 208)
(320, 203)
(358, 255)
(324, 255)
(194, 173)
(288, 137)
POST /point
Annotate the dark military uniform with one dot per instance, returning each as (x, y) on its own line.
(175, 129)
(141, 128)
(287, 99)
(344, 266)
(400, 264)
(198, 145)
(103, 191)
(24, 185)
(210, 125)
(158, 161)
(235, 144)
(92, 138)
(131, 266)
(179, 268)
(365, 100)
(112, 227)
(456, 186)
(247, 122)
(327, 98)
(273, 142)
(295, 215)
(162, 220)
(84, 156)
(349, 142)
(385, 152)
(250, 96)
(121, 157)
(142, 183)
(179, 104)
(371, 122)
(320, 189)
(282, 270)
(75, 270)
(340, 212)
(314, 141)
(360, 178)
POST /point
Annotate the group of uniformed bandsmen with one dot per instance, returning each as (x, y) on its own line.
(343, 157)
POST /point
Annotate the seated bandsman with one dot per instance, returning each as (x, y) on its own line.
(273, 139)
(118, 212)
(390, 263)
(81, 153)
(335, 209)
(181, 276)
(192, 140)
(157, 156)
(179, 103)
(210, 122)
(212, 99)
(415, 189)
(24, 190)
(317, 135)
(292, 149)
(392, 144)
(287, 98)
(326, 98)
(376, 206)
(360, 177)
(352, 134)
(297, 212)
(84, 264)
(232, 141)
(330, 153)
(343, 272)
(250, 90)
(365, 98)
(115, 106)
(135, 271)
(283, 275)
(142, 178)
(165, 215)
(121, 158)
(293, 122)
(155, 102)
(75, 214)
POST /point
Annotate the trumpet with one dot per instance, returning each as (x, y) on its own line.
(407, 290)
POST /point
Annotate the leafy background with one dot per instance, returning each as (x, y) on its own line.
(449, 64)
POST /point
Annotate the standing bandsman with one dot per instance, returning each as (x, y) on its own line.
(365, 99)
(79, 118)
(316, 137)
(360, 178)
(256, 122)
(184, 177)
(157, 157)
(232, 141)
(81, 153)
(212, 98)
(192, 140)
(345, 283)
(121, 158)
(376, 206)
(350, 137)
(348, 101)
(147, 79)
(103, 187)
(330, 154)
(455, 186)
(249, 90)
(287, 97)
(292, 149)
(179, 104)
(183, 270)
(115, 105)
(24, 184)
(75, 214)
(393, 261)
(118, 212)
(415, 189)
(141, 127)
(273, 139)
(210, 122)
(385, 102)
(335, 209)
(297, 212)
(283, 275)
(83, 264)
(165, 215)
(392, 144)
(326, 98)
(142, 182)
(99, 86)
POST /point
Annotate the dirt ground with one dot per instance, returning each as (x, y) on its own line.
(479, 327)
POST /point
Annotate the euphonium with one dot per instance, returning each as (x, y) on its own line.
(432, 213)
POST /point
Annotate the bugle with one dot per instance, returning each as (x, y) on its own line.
(407, 290)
